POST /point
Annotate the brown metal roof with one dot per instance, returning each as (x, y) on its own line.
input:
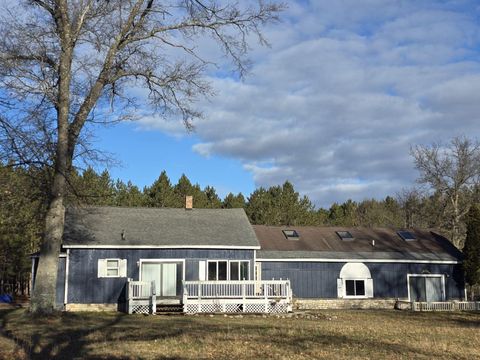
(323, 242)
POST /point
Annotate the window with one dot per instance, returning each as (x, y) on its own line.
(239, 270)
(228, 270)
(217, 270)
(291, 234)
(345, 235)
(354, 287)
(113, 267)
(406, 235)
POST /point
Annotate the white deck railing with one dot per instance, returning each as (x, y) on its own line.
(446, 306)
(237, 296)
(237, 289)
(141, 296)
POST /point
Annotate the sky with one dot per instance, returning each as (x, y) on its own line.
(333, 105)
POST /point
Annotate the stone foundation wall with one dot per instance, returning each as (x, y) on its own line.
(91, 307)
(324, 304)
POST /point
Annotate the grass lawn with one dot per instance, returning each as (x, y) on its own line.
(328, 334)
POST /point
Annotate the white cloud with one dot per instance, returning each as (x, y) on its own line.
(344, 91)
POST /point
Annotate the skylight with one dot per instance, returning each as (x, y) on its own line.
(345, 235)
(406, 235)
(291, 234)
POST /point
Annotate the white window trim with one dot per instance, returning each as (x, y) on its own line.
(111, 268)
(345, 296)
(141, 261)
(228, 268)
(442, 276)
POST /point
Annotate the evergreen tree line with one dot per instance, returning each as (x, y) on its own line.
(23, 204)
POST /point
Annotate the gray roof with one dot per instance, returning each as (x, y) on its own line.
(323, 243)
(103, 226)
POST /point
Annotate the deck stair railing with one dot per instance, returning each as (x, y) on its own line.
(271, 296)
(141, 297)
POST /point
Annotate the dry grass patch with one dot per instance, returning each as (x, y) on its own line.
(334, 334)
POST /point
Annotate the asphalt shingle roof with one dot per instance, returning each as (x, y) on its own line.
(103, 226)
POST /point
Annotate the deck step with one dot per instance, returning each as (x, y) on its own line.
(166, 309)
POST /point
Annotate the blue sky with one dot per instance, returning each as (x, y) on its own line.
(333, 105)
(141, 155)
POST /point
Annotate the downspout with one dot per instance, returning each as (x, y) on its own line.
(65, 295)
(32, 280)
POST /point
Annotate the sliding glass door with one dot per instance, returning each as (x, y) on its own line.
(167, 277)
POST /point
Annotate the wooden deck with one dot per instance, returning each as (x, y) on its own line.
(247, 296)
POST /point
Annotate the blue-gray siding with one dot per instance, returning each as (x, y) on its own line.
(319, 280)
(84, 286)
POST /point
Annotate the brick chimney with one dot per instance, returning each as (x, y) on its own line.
(188, 202)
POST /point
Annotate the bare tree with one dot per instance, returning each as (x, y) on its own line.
(65, 64)
(453, 171)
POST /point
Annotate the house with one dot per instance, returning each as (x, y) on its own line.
(209, 260)
(361, 263)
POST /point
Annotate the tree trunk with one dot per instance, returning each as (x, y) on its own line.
(43, 299)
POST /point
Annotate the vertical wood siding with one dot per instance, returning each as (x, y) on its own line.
(319, 280)
(84, 286)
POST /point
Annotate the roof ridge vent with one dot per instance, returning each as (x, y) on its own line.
(291, 234)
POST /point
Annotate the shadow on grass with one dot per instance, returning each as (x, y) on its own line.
(97, 336)
(72, 336)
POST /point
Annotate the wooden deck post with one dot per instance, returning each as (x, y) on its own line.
(153, 295)
(129, 297)
(265, 298)
(244, 303)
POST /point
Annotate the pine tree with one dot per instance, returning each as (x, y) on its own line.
(234, 201)
(22, 208)
(128, 195)
(161, 193)
(213, 200)
(471, 264)
(185, 188)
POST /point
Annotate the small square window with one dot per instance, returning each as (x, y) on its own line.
(291, 234)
